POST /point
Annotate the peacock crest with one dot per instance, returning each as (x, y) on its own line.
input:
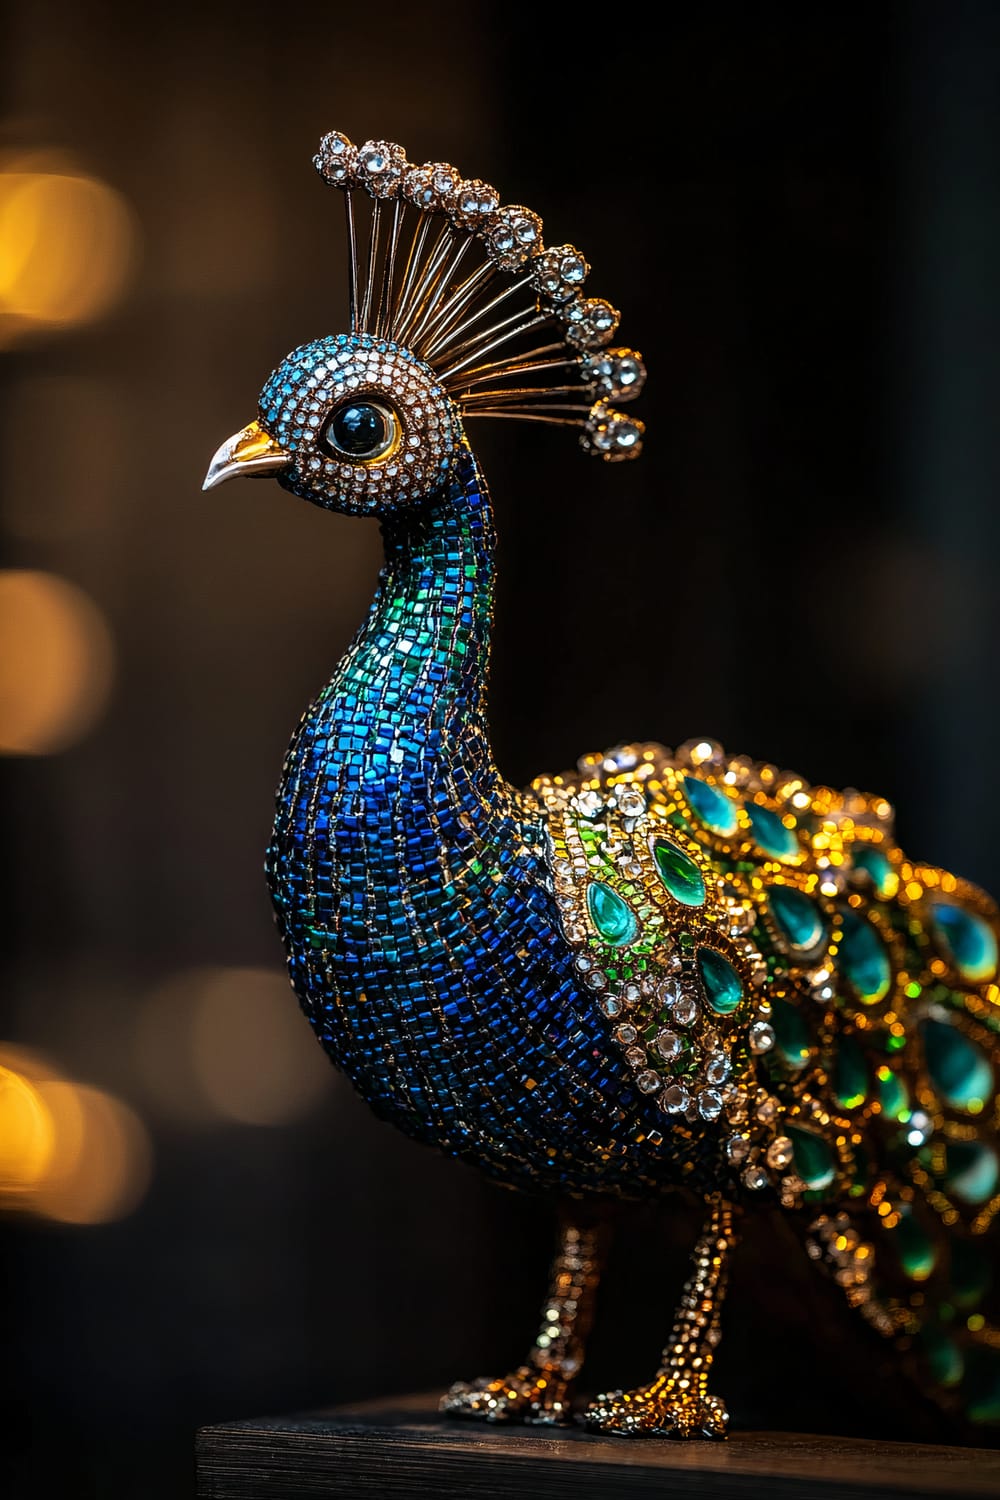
(465, 284)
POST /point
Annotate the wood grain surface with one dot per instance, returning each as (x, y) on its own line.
(401, 1447)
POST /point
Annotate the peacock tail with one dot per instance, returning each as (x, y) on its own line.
(768, 957)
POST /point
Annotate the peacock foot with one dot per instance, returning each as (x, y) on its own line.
(658, 1410)
(527, 1395)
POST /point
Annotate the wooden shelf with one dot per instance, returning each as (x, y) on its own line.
(401, 1448)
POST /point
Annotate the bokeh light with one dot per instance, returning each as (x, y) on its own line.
(56, 662)
(68, 1152)
(27, 1135)
(66, 245)
(231, 1044)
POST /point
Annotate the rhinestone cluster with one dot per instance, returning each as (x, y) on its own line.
(612, 434)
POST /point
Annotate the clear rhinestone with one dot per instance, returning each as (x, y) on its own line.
(583, 963)
(767, 1111)
(611, 1006)
(736, 1149)
(636, 1057)
(684, 1010)
(755, 1178)
(631, 801)
(668, 1045)
(717, 1068)
(710, 1104)
(761, 1037)
(648, 1082)
(668, 992)
(596, 980)
(588, 803)
(780, 1153)
(675, 1099)
(625, 1034)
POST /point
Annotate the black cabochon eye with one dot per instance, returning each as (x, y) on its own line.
(360, 430)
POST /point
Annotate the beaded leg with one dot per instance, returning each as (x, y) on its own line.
(539, 1390)
(676, 1403)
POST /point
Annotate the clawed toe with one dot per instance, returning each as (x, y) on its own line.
(521, 1397)
(662, 1412)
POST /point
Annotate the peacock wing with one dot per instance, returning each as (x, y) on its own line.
(824, 1012)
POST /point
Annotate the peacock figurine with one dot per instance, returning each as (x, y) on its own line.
(665, 970)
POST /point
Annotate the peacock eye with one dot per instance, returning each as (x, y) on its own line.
(361, 430)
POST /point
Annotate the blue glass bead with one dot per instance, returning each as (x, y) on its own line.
(971, 1171)
(967, 940)
(679, 873)
(863, 959)
(959, 1070)
(791, 1035)
(770, 833)
(814, 1160)
(613, 919)
(869, 857)
(723, 986)
(799, 919)
(710, 806)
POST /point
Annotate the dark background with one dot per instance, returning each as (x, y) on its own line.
(798, 212)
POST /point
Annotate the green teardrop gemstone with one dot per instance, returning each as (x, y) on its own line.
(712, 807)
(679, 873)
(981, 1387)
(770, 833)
(723, 986)
(791, 1034)
(971, 1171)
(893, 1094)
(850, 1074)
(870, 858)
(942, 1356)
(914, 1246)
(959, 1070)
(814, 1160)
(967, 940)
(971, 1274)
(798, 917)
(612, 917)
(863, 959)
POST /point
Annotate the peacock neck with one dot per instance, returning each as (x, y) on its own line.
(411, 691)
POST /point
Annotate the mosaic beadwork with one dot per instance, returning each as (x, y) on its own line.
(663, 969)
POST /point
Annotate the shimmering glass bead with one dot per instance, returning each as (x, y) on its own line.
(797, 916)
(612, 917)
(679, 873)
(959, 1070)
(723, 986)
(710, 806)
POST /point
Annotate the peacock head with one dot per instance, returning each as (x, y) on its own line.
(457, 310)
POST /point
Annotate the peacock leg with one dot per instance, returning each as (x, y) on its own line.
(676, 1403)
(539, 1390)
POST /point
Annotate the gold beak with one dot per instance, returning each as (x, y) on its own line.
(249, 452)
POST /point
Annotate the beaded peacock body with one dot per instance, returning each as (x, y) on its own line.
(664, 970)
